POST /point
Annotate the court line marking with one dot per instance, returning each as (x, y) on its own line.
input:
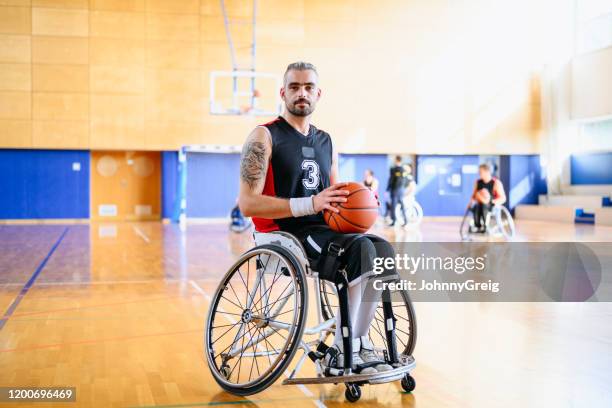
(301, 387)
(215, 403)
(141, 234)
(108, 282)
(114, 282)
(92, 306)
(93, 341)
(30, 282)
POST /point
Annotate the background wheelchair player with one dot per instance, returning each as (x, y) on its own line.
(400, 194)
(486, 204)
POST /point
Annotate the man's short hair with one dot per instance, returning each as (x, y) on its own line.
(299, 66)
(398, 158)
(485, 166)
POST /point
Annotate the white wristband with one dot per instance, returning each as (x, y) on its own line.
(301, 206)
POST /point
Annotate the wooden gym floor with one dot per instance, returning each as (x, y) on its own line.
(117, 310)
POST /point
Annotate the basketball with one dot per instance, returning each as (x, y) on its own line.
(357, 214)
(483, 196)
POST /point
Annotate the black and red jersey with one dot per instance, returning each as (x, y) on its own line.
(480, 184)
(300, 166)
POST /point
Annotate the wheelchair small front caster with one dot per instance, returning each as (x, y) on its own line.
(353, 392)
(408, 383)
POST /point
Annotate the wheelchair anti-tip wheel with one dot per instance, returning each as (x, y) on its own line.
(353, 392)
(408, 383)
(405, 325)
(256, 320)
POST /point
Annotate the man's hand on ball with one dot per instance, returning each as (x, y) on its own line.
(332, 194)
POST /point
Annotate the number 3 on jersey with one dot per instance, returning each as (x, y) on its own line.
(312, 182)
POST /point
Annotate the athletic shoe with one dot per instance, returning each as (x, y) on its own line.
(368, 355)
(333, 361)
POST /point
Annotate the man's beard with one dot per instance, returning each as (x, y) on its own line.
(305, 111)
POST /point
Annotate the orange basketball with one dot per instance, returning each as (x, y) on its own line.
(357, 214)
(483, 196)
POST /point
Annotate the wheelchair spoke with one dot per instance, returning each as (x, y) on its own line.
(228, 348)
(239, 361)
(268, 307)
(277, 300)
(233, 303)
(274, 279)
(266, 343)
(285, 312)
(225, 332)
(233, 314)
(254, 362)
(237, 298)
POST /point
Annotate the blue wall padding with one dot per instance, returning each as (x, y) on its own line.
(169, 187)
(445, 183)
(591, 168)
(212, 184)
(353, 166)
(43, 184)
(523, 178)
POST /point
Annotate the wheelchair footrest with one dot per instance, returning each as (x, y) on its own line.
(376, 378)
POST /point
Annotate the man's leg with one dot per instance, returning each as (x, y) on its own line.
(485, 211)
(394, 201)
(401, 203)
(477, 215)
(315, 240)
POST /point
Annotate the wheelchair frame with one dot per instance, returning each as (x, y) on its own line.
(411, 206)
(498, 230)
(280, 242)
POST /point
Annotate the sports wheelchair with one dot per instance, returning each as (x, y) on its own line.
(414, 211)
(258, 315)
(498, 223)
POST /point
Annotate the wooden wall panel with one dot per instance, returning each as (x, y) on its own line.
(395, 75)
(128, 180)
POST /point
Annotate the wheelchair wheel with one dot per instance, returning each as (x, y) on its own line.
(405, 329)
(414, 212)
(505, 223)
(256, 320)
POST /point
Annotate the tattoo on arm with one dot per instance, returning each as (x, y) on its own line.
(253, 163)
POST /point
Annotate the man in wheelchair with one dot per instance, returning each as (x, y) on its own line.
(288, 176)
(488, 191)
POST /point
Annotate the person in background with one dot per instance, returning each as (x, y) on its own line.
(409, 184)
(396, 188)
(488, 191)
(370, 181)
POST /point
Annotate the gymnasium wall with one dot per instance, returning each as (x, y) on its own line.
(524, 179)
(591, 169)
(125, 185)
(44, 184)
(445, 183)
(396, 77)
(592, 85)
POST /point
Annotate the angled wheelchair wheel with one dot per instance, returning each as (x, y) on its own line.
(505, 223)
(256, 320)
(405, 329)
(414, 212)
